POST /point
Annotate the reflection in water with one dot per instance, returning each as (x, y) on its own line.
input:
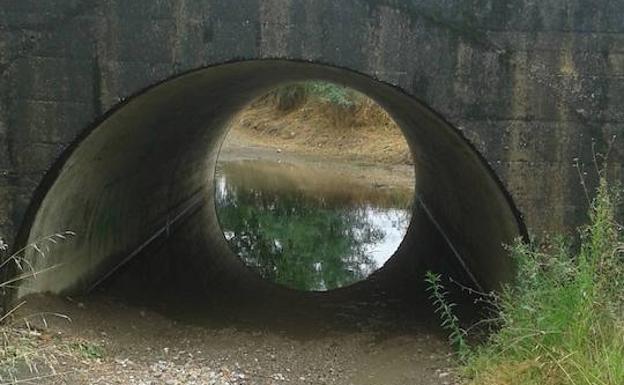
(306, 231)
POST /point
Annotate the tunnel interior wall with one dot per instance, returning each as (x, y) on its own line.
(138, 171)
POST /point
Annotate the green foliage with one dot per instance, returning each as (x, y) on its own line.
(563, 320)
(333, 94)
(88, 350)
(444, 308)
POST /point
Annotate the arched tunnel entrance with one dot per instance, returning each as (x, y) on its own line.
(138, 190)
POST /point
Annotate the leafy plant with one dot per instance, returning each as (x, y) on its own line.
(333, 94)
(445, 309)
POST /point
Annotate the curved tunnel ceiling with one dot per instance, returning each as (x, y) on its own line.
(148, 170)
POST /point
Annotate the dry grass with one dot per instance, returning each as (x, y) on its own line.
(360, 130)
(29, 354)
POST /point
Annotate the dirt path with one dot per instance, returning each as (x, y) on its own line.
(108, 342)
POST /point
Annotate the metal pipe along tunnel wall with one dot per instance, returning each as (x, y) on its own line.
(141, 182)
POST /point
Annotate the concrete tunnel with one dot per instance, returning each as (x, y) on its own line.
(138, 190)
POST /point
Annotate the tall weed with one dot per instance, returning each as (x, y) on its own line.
(562, 322)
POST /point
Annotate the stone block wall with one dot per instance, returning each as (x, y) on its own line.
(535, 85)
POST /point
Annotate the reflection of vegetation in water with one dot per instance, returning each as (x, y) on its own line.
(339, 189)
(298, 242)
(308, 228)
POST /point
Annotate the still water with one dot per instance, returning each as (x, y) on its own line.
(307, 228)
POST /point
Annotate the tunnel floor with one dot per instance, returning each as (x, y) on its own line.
(148, 336)
(134, 344)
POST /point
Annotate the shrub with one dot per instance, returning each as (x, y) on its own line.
(288, 97)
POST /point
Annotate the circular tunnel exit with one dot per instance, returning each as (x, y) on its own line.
(138, 191)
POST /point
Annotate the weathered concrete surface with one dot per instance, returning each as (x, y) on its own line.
(531, 84)
(135, 172)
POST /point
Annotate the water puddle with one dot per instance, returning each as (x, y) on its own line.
(308, 228)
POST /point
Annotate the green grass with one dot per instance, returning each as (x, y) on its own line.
(88, 350)
(563, 320)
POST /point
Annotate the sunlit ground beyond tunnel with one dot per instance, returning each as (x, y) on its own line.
(142, 194)
(314, 186)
